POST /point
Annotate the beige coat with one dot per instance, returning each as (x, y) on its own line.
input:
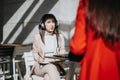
(38, 47)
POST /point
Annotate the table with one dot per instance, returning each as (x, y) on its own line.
(71, 65)
(62, 58)
(6, 50)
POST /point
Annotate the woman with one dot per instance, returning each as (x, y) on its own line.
(97, 36)
(49, 41)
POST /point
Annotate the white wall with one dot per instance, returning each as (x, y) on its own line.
(21, 18)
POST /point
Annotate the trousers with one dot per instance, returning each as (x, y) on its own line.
(48, 71)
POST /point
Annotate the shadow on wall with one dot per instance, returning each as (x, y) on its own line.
(1, 20)
(36, 17)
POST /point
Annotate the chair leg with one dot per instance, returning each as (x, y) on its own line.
(30, 78)
(75, 76)
(2, 78)
(3, 72)
(19, 72)
(14, 70)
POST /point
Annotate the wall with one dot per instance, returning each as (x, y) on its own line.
(21, 18)
(1, 20)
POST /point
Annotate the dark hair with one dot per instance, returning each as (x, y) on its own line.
(48, 16)
(104, 17)
(42, 20)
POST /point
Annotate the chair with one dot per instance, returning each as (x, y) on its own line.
(16, 71)
(29, 61)
(17, 60)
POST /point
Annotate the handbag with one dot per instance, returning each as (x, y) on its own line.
(59, 68)
(74, 57)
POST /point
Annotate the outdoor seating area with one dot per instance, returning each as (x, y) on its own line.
(18, 66)
(10, 60)
(59, 39)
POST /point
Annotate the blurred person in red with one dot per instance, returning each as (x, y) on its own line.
(97, 37)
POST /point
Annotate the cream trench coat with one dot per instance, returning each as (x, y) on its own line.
(38, 48)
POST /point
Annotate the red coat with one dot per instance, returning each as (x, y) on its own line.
(100, 62)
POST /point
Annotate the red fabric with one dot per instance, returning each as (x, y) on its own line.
(100, 62)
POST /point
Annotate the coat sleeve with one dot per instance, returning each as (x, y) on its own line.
(62, 44)
(78, 41)
(36, 52)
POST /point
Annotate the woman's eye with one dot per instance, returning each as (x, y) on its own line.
(49, 22)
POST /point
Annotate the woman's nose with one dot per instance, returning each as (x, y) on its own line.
(52, 24)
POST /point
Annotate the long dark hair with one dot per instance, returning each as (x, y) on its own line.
(104, 17)
(42, 32)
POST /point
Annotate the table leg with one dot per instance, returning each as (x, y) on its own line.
(11, 68)
(71, 71)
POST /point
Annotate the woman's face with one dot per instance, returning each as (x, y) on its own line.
(50, 25)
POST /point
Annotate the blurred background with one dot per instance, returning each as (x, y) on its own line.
(19, 19)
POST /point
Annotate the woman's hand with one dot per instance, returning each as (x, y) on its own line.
(40, 59)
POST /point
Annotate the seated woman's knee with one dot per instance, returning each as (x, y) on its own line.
(51, 67)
